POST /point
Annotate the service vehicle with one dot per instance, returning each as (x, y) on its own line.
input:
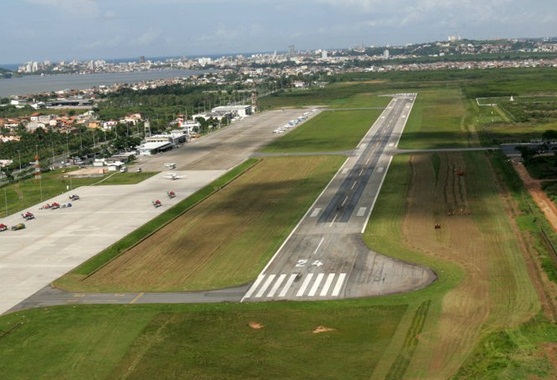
(18, 226)
(28, 215)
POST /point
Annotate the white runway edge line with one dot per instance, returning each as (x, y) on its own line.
(315, 284)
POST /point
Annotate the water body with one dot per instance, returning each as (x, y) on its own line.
(34, 84)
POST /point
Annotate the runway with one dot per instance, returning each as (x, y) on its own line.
(324, 257)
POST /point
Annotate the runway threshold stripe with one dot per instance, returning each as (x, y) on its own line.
(327, 285)
(338, 285)
(315, 213)
(361, 211)
(276, 285)
(316, 284)
(305, 284)
(254, 286)
(265, 286)
(287, 285)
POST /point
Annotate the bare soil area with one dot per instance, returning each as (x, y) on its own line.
(535, 190)
(456, 213)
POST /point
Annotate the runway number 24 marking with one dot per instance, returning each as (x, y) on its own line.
(303, 262)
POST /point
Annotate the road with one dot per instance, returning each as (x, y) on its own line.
(324, 257)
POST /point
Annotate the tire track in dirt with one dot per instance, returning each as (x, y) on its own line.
(474, 233)
(465, 308)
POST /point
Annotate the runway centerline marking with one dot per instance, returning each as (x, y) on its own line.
(319, 245)
(353, 185)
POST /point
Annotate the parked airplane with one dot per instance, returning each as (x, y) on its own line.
(173, 176)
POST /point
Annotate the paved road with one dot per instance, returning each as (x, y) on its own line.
(324, 257)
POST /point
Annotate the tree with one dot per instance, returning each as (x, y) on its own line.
(549, 135)
(527, 153)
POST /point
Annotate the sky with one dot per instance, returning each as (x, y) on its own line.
(56, 30)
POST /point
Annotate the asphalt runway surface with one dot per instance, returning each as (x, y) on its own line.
(323, 258)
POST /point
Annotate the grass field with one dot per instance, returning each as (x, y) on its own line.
(328, 131)
(198, 341)
(481, 319)
(224, 240)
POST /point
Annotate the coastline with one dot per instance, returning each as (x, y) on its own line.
(36, 84)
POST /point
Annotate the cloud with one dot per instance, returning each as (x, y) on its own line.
(149, 37)
(88, 8)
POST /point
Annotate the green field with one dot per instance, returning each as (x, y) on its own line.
(481, 319)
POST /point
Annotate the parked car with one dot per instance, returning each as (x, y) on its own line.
(18, 226)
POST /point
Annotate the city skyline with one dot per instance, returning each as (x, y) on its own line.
(37, 30)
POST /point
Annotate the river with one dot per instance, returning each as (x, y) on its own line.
(34, 84)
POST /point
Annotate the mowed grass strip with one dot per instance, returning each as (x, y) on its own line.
(67, 342)
(330, 340)
(286, 342)
(226, 239)
(327, 131)
(436, 121)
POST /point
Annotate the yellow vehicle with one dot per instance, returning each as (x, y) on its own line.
(18, 226)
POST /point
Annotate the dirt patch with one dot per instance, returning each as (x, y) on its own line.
(546, 289)
(551, 352)
(457, 192)
(255, 325)
(322, 329)
(540, 197)
(85, 172)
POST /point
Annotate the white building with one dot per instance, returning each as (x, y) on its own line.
(241, 110)
(155, 144)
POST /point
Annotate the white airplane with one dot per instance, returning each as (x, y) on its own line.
(173, 176)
